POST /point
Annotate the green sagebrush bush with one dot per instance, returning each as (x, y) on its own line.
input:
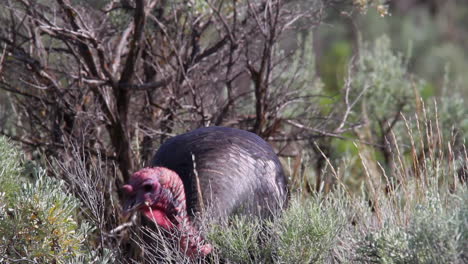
(38, 222)
(382, 78)
(437, 233)
(305, 233)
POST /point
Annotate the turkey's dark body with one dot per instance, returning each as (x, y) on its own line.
(238, 172)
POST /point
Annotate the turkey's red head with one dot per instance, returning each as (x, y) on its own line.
(159, 194)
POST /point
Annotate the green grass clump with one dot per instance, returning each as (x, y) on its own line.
(37, 217)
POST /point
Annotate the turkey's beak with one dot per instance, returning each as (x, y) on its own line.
(132, 202)
(131, 205)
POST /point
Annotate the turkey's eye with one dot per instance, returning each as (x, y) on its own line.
(147, 187)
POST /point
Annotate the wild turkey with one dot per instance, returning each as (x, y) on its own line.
(224, 170)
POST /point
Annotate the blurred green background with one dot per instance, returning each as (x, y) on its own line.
(431, 35)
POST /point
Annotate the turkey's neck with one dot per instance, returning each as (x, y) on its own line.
(171, 212)
(172, 198)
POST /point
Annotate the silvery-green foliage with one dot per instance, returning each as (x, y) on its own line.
(38, 218)
(383, 76)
